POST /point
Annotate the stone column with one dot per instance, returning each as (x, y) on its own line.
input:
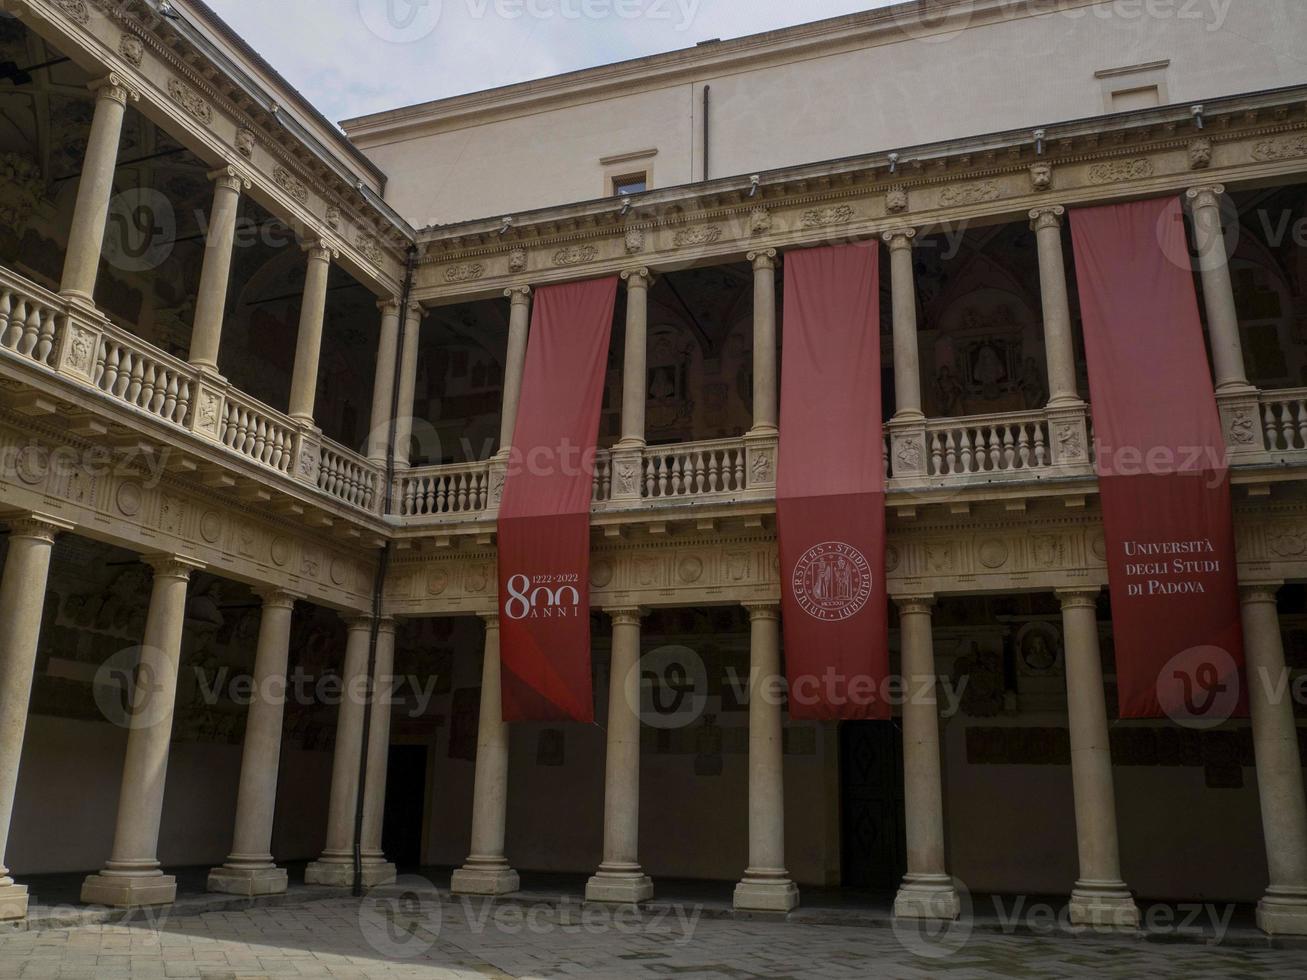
(22, 600)
(620, 878)
(408, 382)
(376, 869)
(634, 370)
(383, 385)
(308, 344)
(132, 876)
(1059, 348)
(94, 190)
(336, 865)
(249, 869)
(519, 321)
(1100, 897)
(211, 300)
(486, 871)
(1218, 291)
(907, 369)
(765, 375)
(1283, 910)
(927, 891)
(766, 886)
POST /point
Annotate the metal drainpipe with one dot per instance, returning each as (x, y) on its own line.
(707, 130)
(379, 582)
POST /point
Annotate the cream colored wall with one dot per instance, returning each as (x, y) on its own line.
(1027, 73)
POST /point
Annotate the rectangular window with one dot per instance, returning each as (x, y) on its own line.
(631, 184)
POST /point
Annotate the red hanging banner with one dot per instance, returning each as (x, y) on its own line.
(1162, 467)
(544, 517)
(830, 497)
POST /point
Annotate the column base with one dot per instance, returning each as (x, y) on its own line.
(248, 882)
(340, 874)
(927, 897)
(484, 879)
(619, 887)
(1283, 912)
(129, 891)
(13, 902)
(1103, 905)
(766, 893)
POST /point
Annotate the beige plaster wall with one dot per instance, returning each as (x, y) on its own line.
(786, 111)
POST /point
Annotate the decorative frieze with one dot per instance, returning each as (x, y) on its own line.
(76, 10)
(824, 217)
(132, 50)
(1115, 171)
(517, 260)
(896, 200)
(291, 184)
(465, 272)
(959, 195)
(699, 235)
(370, 247)
(575, 255)
(190, 100)
(1281, 148)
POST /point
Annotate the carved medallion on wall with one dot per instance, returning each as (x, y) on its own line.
(634, 240)
(1047, 550)
(437, 581)
(517, 260)
(32, 465)
(1098, 546)
(1288, 542)
(172, 513)
(129, 498)
(689, 569)
(245, 140)
(1200, 154)
(76, 9)
(601, 573)
(210, 526)
(339, 571)
(370, 247)
(466, 272)
(760, 221)
(994, 553)
(1041, 176)
(311, 561)
(280, 550)
(896, 200)
(738, 566)
(478, 577)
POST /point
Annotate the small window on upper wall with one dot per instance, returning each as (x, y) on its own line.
(631, 184)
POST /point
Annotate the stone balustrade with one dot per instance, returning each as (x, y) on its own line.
(41, 329)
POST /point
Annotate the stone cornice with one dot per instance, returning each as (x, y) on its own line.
(992, 179)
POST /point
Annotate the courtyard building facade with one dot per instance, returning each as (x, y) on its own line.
(263, 390)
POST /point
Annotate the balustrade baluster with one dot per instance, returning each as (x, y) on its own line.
(31, 329)
(170, 399)
(1302, 424)
(1041, 445)
(46, 342)
(1009, 447)
(6, 311)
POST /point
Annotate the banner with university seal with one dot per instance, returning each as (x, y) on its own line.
(830, 497)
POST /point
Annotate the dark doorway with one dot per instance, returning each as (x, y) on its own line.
(406, 791)
(873, 845)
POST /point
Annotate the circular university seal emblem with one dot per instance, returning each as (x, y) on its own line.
(832, 581)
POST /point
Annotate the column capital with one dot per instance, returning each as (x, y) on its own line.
(762, 610)
(1205, 195)
(173, 566)
(627, 615)
(518, 295)
(640, 278)
(491, 620)
(1256, 592)
(319, 250)
(386, 625)
(229, 178)
(899, 239)
(919, 605)
(274, 598)
(1047, 217)
(358, 623)
(388, 306)
(763, 259)
(39, 527)
(416, 311)
(1080, 598)
(114, 88)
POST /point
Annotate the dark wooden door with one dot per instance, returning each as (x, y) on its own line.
(406, 790)
(873, 845)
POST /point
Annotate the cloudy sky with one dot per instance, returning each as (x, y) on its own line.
(352, 57)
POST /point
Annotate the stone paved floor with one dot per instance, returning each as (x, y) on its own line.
(403, 933)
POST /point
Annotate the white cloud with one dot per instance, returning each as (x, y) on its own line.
(337, 52)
